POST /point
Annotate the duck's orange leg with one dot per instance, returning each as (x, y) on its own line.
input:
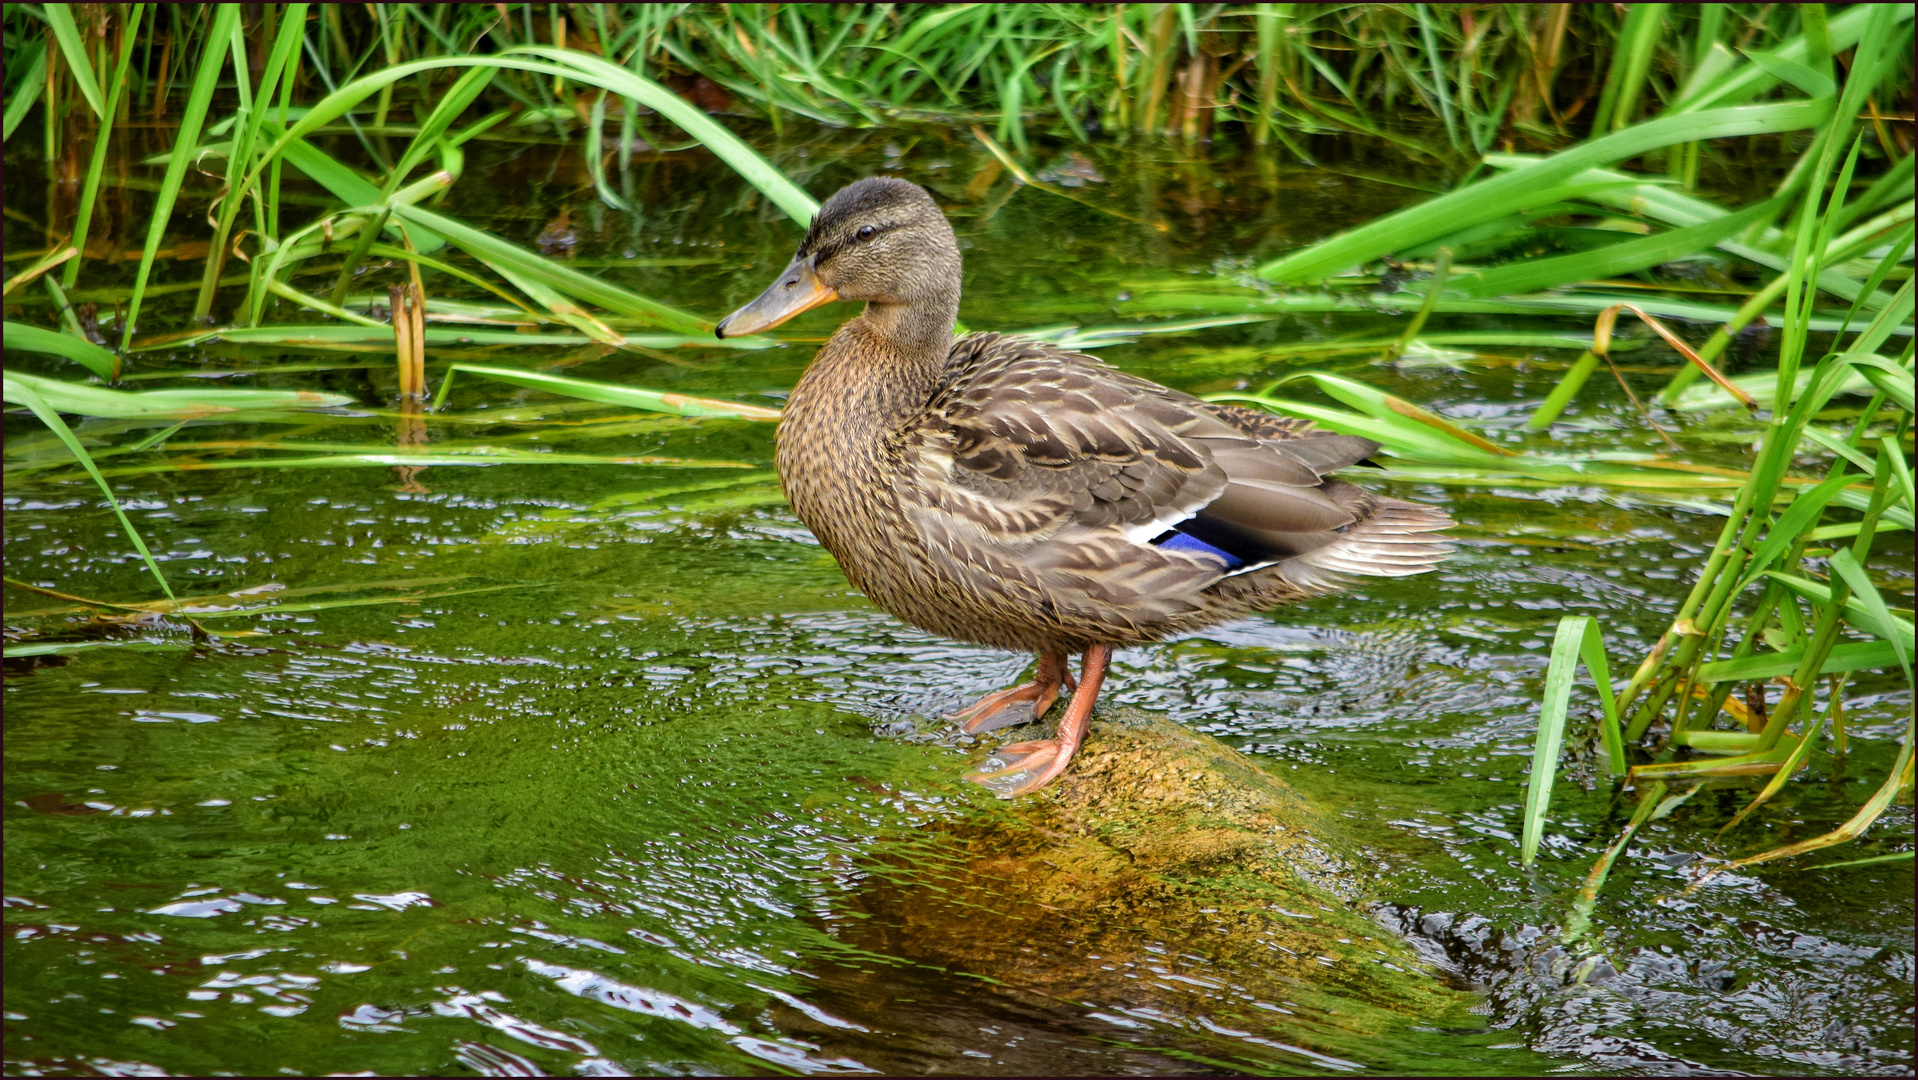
(1051, 756)
(1017, 704)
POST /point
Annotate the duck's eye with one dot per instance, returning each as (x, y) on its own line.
(867, 232)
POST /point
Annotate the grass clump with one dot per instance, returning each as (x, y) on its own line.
(1785, 594)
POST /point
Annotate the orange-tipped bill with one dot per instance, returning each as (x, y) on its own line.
(798, 289)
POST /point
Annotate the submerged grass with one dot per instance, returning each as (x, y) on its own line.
(114, 619)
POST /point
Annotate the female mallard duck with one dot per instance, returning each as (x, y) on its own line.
(1024, 496)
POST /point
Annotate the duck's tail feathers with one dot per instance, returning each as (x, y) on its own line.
(1391, 541)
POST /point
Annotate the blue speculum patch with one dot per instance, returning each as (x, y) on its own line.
(1174, 540)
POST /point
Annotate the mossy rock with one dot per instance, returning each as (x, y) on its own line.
(1163, 872)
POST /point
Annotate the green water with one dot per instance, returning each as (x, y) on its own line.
(624, 787)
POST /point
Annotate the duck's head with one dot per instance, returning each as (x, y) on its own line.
(882, 240)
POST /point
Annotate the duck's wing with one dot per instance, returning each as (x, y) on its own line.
(1386, 537)
(1050, 466)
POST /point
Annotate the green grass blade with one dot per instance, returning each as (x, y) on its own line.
(1798, 517)
(1855, 374)
(1896, 856)
(52, 342)
(1563, 393)
(1718, 742)
(1786, 70)
(1566, 647)
(728, 147)
(1845, 656)
(1441, 271)
(20, 393)
(584, 68)
(313, 303)
(1535, 275)
(1403, 439)
(1581, 303)
(612, 394)
(1900, 471)
(97, 164)
(68, 648)
(1867, 596)
(596, 159)
(207, 77)
(1786, 770)
(362, 338)
(1496, 196)
(1397, 411)
(351, 188)
(68, 320)
(1894, 384)
(1551, 736)
(1893, 188)
(1662, 204)
(33, 58)
(74, 51)
(1592, 651)
(528, 267)
(162, 404)
(1750, 80)
(40, 266)
(1637, 44)
(1885, 323)
(1878, 622)
(1895, 781)
(249, 122)
(1713, 63)
(387, 459)
(1440, 84)
(1853, 499)
(463, 93)
(1653, 804)
(1843, 449)
(388, 251)
(1895, 252)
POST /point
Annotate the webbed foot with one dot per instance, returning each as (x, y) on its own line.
(1045, 759)
(1020, 704)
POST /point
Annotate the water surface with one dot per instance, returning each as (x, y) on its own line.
(626, 786)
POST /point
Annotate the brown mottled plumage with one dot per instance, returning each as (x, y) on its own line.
(1021, 495)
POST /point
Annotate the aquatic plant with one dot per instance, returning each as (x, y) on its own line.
(1760, 610)
(264, 134)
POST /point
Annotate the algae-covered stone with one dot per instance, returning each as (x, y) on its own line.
(1166, 879)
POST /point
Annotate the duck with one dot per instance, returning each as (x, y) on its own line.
(1019, 495)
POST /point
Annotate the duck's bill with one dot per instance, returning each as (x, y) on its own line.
(798, 289)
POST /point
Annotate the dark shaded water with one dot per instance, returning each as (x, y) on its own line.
(611, 793)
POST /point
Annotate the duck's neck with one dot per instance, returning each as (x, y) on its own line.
(882, 367)
(836, 442)
(914, 339)
(874, 375)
